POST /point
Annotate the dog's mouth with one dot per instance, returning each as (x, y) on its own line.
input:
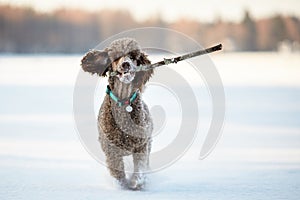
(126, 70)
(125, 74)
(126, 77)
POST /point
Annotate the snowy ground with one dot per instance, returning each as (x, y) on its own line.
(258, 156)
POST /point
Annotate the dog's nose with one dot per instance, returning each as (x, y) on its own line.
(125, 66)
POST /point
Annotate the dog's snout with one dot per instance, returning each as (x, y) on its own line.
(125, 66)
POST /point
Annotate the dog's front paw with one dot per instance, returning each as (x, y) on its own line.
(123, 183)
(137, 181)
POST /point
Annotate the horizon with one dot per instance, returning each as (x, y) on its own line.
(208, 11)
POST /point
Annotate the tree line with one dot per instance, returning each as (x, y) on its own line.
(24, 30)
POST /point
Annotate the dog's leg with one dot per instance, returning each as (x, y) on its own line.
(140, 161)
(116, 168)
(148, 154)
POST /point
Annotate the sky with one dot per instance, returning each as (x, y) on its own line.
(171, 10)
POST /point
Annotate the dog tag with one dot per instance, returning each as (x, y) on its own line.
(128, 108)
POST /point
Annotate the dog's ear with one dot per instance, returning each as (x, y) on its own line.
(96, 62)
(143, 59)
(143, 77)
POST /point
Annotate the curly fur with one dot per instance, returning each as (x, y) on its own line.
(123, 133)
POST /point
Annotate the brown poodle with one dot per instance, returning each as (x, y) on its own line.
(124, 121)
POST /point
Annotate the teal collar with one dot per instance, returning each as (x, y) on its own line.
(121, 102)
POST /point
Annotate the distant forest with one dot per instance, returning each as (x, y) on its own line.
(24, 30)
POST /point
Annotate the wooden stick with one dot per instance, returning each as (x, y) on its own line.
(167, 61)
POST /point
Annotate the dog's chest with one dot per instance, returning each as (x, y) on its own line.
(112, 117)
(123, 129)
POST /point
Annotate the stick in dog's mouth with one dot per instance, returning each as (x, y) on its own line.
(126, 70)
(126, 77)
(125, 74)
